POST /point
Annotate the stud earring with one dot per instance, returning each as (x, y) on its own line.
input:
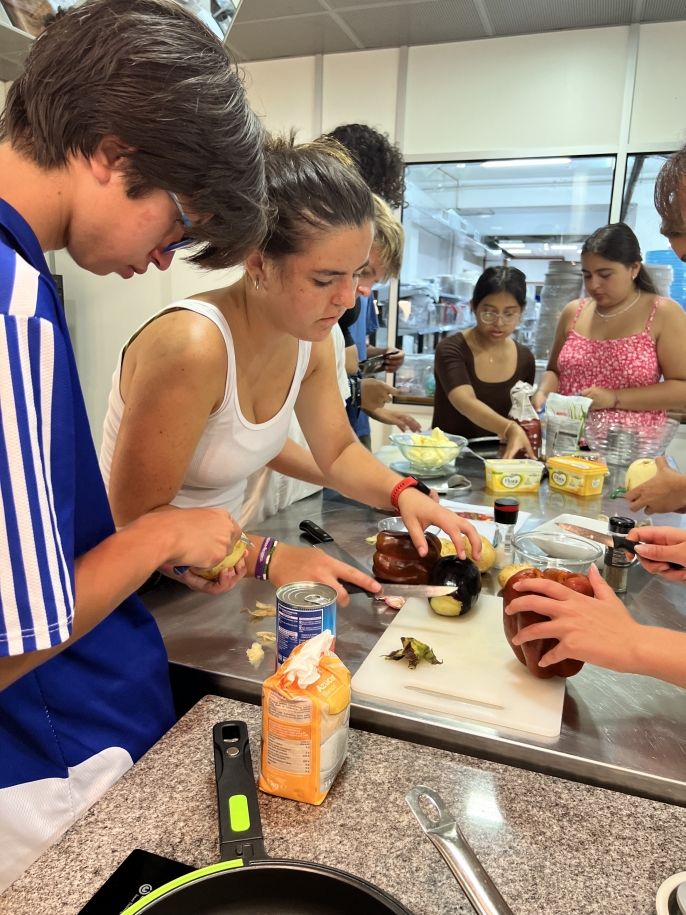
(257, 282)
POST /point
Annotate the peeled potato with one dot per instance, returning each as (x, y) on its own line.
(639, 472)
(486, 560)
(506, 573)
(227, 563)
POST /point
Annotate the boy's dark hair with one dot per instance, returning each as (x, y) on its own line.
(379, 161)
(151, 74)
(311, 187)
(500, 279)
(670, 182)
(617, 242)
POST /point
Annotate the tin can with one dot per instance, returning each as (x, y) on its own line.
(303, 609)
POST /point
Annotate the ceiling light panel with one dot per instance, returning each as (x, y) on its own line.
(392, 25)
(519, 17)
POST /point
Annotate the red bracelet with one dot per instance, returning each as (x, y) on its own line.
(405, 483)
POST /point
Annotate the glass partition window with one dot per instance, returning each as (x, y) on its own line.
(638, 211)
(461, 217)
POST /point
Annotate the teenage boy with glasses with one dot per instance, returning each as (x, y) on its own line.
(127, 135)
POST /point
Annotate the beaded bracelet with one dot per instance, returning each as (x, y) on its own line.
(267, 562)
(262, 558)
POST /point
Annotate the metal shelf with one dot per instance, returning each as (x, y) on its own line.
(14, 46)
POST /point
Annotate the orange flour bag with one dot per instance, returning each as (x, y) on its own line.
(305, 713)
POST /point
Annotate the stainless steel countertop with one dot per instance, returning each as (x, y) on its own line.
(618, 730)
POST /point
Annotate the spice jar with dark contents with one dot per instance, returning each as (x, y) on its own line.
(617, 561)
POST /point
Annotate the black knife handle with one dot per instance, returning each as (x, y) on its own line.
(623, 543)
(315, 533)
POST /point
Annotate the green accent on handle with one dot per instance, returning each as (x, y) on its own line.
(239, 815)
(142, 904)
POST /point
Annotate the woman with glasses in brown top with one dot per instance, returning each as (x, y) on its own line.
(475, 370)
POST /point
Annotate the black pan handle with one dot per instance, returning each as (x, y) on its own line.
(240, 825)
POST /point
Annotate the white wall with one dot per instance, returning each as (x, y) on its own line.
(658, 116)
(555, 92)
(529, 91)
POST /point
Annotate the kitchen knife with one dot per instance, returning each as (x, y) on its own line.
(611, 540)
(320, 538)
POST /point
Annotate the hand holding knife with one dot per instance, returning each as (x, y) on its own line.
(318, 537)
(611, 540)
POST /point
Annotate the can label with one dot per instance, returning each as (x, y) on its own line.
(303, 609)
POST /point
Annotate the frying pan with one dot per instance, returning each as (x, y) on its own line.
(247, 881)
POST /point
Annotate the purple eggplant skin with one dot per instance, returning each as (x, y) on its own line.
(464, 575)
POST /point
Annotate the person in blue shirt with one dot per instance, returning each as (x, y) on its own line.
(127, 136)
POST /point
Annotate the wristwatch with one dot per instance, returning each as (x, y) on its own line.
(407, 483)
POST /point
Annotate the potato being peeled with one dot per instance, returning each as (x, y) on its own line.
(640, 472)
(227, 563)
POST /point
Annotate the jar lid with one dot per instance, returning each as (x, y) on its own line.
(620, 525)
(505, 510)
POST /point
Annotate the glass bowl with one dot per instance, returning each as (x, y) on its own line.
(556, 550)
(622, 441)
(431, 456)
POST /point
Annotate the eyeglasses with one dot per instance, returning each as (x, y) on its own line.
(493, 317)
(185, 222)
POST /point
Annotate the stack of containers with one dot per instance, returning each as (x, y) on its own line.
(561, 284)
(677, 289)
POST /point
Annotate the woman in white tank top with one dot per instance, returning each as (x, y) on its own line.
(203, 393)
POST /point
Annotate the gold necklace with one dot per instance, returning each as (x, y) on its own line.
(621, 310)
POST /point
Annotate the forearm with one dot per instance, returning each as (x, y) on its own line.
(549, 382)
(359, 475)
(661, 653)
(481, 415)
(665, 395)
(296, 461)
(104, 577)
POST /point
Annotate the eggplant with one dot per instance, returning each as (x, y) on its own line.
(465, 576)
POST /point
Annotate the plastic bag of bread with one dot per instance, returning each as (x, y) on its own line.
(305, 714)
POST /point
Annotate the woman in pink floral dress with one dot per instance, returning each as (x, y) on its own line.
(624, 346)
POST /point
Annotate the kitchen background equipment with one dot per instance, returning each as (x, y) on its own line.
(479, 679)
(556, 550)
(442, 829)
(623, 441)
(246, 881)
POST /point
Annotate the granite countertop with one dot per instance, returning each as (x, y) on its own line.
(551, 846)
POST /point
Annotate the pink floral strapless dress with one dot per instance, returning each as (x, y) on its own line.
(628, 362)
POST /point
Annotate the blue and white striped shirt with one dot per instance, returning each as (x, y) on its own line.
(72, 726)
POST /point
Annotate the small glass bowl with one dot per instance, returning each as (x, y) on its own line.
(431, 456)
(395, 525)
(553, 550)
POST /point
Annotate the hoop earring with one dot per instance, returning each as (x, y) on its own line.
(257, 282)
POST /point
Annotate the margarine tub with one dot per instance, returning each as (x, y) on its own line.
(517, 475)
(576, 475)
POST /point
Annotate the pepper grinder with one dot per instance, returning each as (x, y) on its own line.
(617, 562)
(505, 512)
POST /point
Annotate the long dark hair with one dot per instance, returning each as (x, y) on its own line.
(618, 243)
(500, 279)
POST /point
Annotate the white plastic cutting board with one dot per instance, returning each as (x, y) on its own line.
(479, 680)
